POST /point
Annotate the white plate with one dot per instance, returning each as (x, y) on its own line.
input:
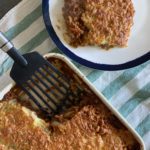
(137, 52)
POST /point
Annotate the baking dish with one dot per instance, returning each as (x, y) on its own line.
(76, 72)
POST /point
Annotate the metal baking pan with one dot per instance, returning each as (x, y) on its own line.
(76, 72)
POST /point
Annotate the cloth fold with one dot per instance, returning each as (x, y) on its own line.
(128, 91)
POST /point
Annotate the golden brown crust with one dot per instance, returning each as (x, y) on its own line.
(88, 126)
(90, 129)
(84, 127)
(77, 133)
(105, 23)
(17, 129)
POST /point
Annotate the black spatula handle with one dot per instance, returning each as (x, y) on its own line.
(9, 48)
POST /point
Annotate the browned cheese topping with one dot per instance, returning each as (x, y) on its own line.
(104, 23)
(20, 130)
(91, 128)
(86, 126)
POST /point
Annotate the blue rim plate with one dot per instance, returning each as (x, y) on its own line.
(111, 67)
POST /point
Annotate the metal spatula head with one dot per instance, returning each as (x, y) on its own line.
(39, 79)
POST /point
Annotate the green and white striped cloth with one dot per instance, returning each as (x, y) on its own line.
(128, 90)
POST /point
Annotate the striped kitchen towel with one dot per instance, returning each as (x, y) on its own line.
(128, 90)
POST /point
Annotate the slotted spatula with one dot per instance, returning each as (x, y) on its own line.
(39, 79)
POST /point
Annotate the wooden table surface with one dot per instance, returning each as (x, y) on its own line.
(6, 5)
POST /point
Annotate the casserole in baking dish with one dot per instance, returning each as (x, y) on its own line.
(88, 124)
